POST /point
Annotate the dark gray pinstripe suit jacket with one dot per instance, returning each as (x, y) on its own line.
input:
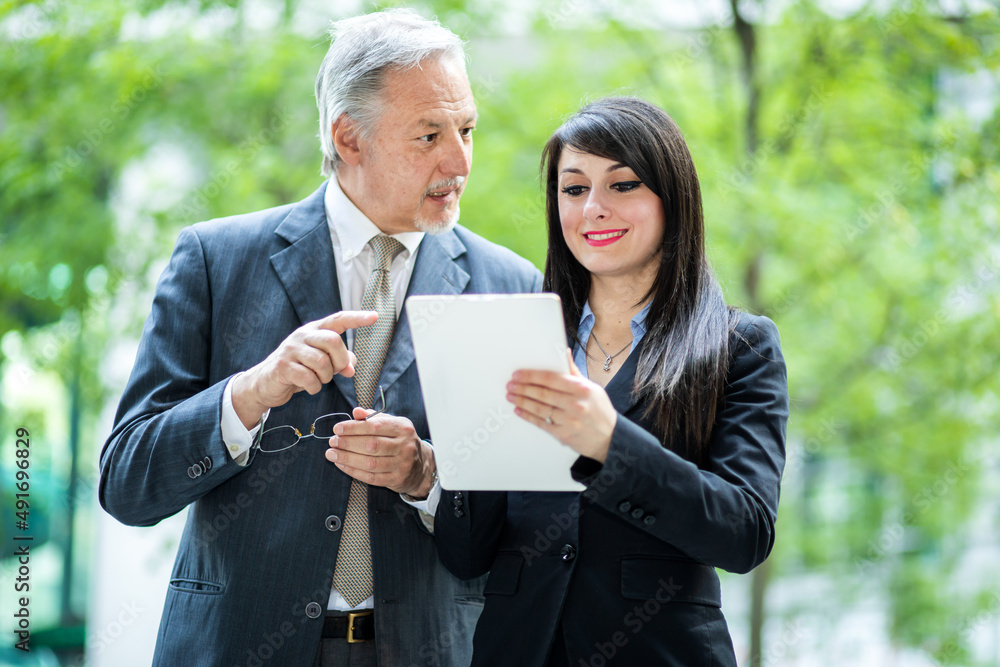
(259, 545)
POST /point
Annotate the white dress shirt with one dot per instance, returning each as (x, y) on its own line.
(350, 231)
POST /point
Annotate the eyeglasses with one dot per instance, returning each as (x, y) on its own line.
(280, 438)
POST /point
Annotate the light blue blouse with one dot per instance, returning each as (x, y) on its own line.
(587, 320)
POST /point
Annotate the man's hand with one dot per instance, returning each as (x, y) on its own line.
(383, 451)
(305, 361)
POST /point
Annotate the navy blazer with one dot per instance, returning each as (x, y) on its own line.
(624, 572)
(255, 564)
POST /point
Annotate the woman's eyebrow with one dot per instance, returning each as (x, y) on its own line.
(574, 170)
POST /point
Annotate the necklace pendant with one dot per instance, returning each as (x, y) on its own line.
(607, 364)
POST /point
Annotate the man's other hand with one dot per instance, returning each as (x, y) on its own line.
(383, 451)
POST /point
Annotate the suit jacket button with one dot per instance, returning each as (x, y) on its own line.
(568, 552)
(313, 610)
(459, 502)
(637, 513)
(649, 520)
(191, 472)
(459, 512)
(625, 506)
(333, 523)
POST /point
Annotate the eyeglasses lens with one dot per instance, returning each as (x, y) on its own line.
(324, 425)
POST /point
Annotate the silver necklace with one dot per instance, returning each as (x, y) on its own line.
(608, 357)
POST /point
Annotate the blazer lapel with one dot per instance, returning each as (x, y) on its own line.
(306, 269)
(619, 390)
(435, 272)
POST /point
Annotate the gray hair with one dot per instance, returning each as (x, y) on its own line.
(364, 48)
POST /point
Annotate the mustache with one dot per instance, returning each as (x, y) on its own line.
(455, 182)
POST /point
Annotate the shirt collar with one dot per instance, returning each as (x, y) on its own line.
(351, 229)
(586, 322)
(638, 322)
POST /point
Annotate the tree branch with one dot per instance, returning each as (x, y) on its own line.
(746, 34)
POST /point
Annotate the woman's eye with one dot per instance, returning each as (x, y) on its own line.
(626, 186)
(573, 190)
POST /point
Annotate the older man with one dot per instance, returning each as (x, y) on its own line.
(300, 550)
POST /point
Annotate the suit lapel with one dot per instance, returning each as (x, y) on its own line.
(619, 390)
(435, 272)
(306, 269)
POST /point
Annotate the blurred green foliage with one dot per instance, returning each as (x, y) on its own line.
(849, 192)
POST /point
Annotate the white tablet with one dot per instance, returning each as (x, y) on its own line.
(467, 348)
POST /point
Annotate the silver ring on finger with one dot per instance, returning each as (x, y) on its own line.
(548, 420)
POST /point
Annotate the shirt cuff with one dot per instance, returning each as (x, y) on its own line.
(236, 436)
(427, 507)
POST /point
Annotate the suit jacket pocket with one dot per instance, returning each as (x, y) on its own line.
(670, 580)
(197, 586)
(504, 574)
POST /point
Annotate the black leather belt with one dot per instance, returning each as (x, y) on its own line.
(354, 626)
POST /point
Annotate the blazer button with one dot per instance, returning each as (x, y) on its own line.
(568, 552)
(333, 523)
(625, 506)
(637, 513)
(313, 610)
(459, 502)
(459, 512)
(649, 520)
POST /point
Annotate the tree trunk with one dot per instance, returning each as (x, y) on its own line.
(759, 581)
(746, 34)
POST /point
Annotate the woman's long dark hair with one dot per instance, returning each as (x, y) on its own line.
(685, 353)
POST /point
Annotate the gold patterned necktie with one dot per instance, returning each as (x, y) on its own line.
(352, 575)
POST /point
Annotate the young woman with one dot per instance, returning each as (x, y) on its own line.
(676, 404)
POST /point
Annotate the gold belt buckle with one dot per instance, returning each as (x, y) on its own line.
(350, 625)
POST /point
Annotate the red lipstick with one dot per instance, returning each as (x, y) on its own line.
(603, 237)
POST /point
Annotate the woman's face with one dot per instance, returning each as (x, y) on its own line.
(612, 222)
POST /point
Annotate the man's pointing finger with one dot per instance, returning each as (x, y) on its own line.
(348, 319)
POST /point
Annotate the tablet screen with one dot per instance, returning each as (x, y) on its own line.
(467, 348)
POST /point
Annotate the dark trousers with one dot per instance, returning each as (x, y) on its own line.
(338, 653)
